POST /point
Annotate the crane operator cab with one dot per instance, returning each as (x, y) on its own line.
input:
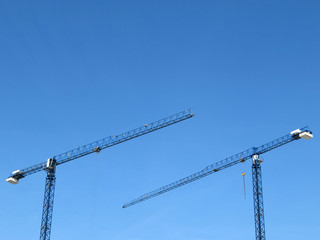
(51, 164)
(297, 134)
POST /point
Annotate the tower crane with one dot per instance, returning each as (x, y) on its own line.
(252, 153)
(50, 165)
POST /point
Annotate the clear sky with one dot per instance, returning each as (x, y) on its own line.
(72, 72)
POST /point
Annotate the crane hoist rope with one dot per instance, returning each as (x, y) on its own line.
(244, 184)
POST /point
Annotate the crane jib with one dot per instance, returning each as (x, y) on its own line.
(97, 146)
(225, 163)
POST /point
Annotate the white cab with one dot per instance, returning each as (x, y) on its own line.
(51, 163)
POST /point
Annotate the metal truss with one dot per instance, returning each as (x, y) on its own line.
(50, 165)
(225, 163)
(47, 210)
(97, 146)
(258, 199)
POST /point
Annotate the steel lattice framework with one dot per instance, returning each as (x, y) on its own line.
(110, 141)
(97, 146)
(258, 199)
(252, 153)
(47, 209)
(218, 166)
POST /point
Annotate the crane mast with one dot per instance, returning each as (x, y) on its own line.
(47, 209)
(258, 198)
(252, 153)
(50, 165)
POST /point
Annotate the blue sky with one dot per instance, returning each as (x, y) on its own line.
(76, 71)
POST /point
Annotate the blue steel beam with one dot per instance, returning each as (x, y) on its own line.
(47, 209)
(97, 146)
(258, 199)
(225, 163)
